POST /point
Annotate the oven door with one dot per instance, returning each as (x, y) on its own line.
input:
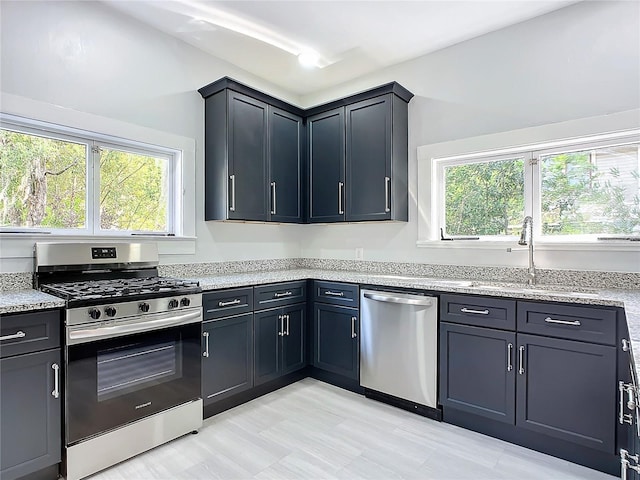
(121, 373)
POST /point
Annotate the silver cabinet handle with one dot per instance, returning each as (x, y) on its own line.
(273, 198)
(353, 327)
(281, 330)
(288, 320)
(475, 312)
(56, 380)
(521, 361)
(575, 323)
(387, 188)
(340, 194)
(334, 294)
(282, 294)
(509, 361)
(232, 202)
(18, 334)
(231, 302)
(206, 344)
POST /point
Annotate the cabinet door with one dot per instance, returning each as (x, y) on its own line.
(336, 346)
(368, 160)
(477, 373)
(293, 351)
(567, 390)
(247, 154)
(227, 363)
(30, 415)
(326, 163)
(285, 164)
(268, 326)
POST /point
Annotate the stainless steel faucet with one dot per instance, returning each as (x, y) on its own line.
(526, 238)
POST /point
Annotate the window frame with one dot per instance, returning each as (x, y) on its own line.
(93, 142)
(531, 154)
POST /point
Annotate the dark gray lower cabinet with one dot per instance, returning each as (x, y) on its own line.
(227, 363)
(335, 340)
(477, 374)
(560, 388)
(30, 414)
(567, 389)
(279, 342)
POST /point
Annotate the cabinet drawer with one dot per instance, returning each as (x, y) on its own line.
(225, 303)
(29, 332)
(279, 294)
(478, 311)
(587, 324)
(336, 293)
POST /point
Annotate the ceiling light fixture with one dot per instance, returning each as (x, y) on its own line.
(309, 58)
(202, 12)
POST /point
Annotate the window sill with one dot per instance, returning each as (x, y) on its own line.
(609, 246)
(20, 245)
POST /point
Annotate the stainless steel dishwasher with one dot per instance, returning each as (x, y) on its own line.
(399, 349)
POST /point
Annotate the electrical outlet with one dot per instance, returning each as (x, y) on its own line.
(359, 253)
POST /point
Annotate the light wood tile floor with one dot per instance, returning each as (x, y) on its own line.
(312, 430)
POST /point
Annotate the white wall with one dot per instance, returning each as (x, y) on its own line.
(89, 58)
(580, 61)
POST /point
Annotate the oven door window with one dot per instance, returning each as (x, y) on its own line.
(117, 381)
(138, 365)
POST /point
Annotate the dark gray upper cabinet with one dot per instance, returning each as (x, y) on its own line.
(353, 150)
(253, 153)
(285, 165)
(227, 351)
(567, 389)
(376, 159)
(358, 161)
(476, 371)
(247, 150)
(326, 166)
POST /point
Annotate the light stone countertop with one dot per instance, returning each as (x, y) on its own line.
(25, 300)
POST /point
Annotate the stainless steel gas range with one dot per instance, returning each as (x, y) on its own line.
(132, 351)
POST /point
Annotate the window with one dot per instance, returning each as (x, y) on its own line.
(60, 180)
(585, 189)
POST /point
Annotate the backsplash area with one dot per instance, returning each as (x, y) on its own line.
(578, 278)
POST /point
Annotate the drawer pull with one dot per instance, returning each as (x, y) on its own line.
(475, 312)
(282, 294)
(229, 303)
(18, 334)
(575, 323)
(334, 294)
(56, 380)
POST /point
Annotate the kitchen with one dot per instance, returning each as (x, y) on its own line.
(103, 71)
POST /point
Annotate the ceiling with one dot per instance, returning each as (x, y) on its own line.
(352, 38)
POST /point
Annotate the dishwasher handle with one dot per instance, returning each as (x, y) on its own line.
(400, 298)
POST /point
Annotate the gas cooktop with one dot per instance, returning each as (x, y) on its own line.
(101, 291)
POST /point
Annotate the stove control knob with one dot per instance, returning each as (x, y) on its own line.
(173, 303)
(144, 307)
(94, 313)
(110, 311)
(185, 302)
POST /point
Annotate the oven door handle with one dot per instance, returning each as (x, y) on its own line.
(84, 335)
